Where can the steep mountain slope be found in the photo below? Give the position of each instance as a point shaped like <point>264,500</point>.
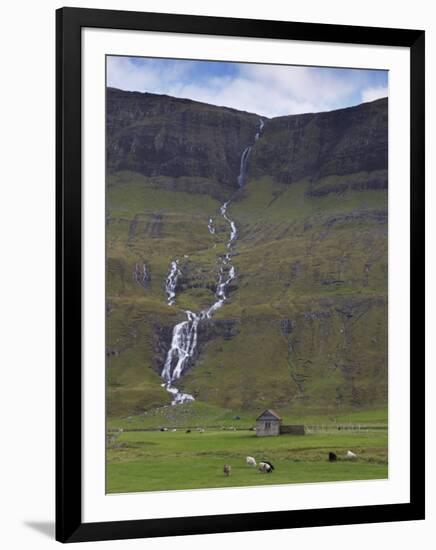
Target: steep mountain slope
<point>304,327</point>
<point>164,136</point>
<point>314,146</point>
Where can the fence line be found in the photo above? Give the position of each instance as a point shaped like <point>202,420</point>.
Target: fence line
<point>328,428</point>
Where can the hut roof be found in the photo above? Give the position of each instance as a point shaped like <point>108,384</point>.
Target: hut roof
<point>269,414</point>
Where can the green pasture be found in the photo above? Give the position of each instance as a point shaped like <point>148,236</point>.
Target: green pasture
<point>198,414</point>
<point>159,461</point>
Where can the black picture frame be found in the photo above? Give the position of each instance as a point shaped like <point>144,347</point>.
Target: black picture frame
<point>69,525</point>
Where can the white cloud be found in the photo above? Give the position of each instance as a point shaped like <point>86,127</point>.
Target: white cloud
<point>268,90</point>
<point>370,94</point>
<point>304,83</point>
<point>123,74</point>
<point>256,96</point>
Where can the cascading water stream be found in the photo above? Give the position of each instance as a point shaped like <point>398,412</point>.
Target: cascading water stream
<point>261,125</point>
<point>171,282</point>
<point>185,334</point>
<point>211,227</point>
<point>243,166</point>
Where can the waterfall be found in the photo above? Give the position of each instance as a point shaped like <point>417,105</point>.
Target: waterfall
<point>185,334</point>
<point>243,165</point>
<point>182,349</point>
<point>211,227</point>
<point>233,229</point>
<point>171,282</point>
<point>246,153</point>
<point>261,125</point>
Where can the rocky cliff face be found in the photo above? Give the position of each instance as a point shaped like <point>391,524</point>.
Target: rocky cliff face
<point>164,136</point>
<point>305,325</point>
<point>314,146</point>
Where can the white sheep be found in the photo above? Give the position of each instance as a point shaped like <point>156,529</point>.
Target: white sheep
<point>250,461</point>
<point>351,455</point>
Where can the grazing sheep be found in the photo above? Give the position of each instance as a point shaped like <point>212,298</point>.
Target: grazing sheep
<point>174,430</point>
<point>332,457</point>
<point>265,467</point>
<point>250,461</point>
<point>351,455</point>
<point>164,429</point>
<point>227,469</point>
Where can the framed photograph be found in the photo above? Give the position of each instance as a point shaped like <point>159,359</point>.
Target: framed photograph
<point>240,274</point>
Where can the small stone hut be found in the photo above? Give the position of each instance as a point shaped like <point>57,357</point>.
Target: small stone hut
<point>268,423</point>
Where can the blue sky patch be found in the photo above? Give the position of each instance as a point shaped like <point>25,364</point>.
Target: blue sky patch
<point>268,90</point>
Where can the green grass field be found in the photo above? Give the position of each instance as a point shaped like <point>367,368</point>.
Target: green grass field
<point>159,461</point>
<point>196,414</point>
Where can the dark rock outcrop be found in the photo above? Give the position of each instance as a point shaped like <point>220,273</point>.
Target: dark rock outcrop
<point>158,135</point>
<point>317,145</point>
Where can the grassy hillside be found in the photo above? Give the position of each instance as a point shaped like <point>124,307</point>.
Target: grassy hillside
<point>305,328</point>
<point>306,324</point>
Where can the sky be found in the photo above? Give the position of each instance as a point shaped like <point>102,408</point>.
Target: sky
<point>268,90</point>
